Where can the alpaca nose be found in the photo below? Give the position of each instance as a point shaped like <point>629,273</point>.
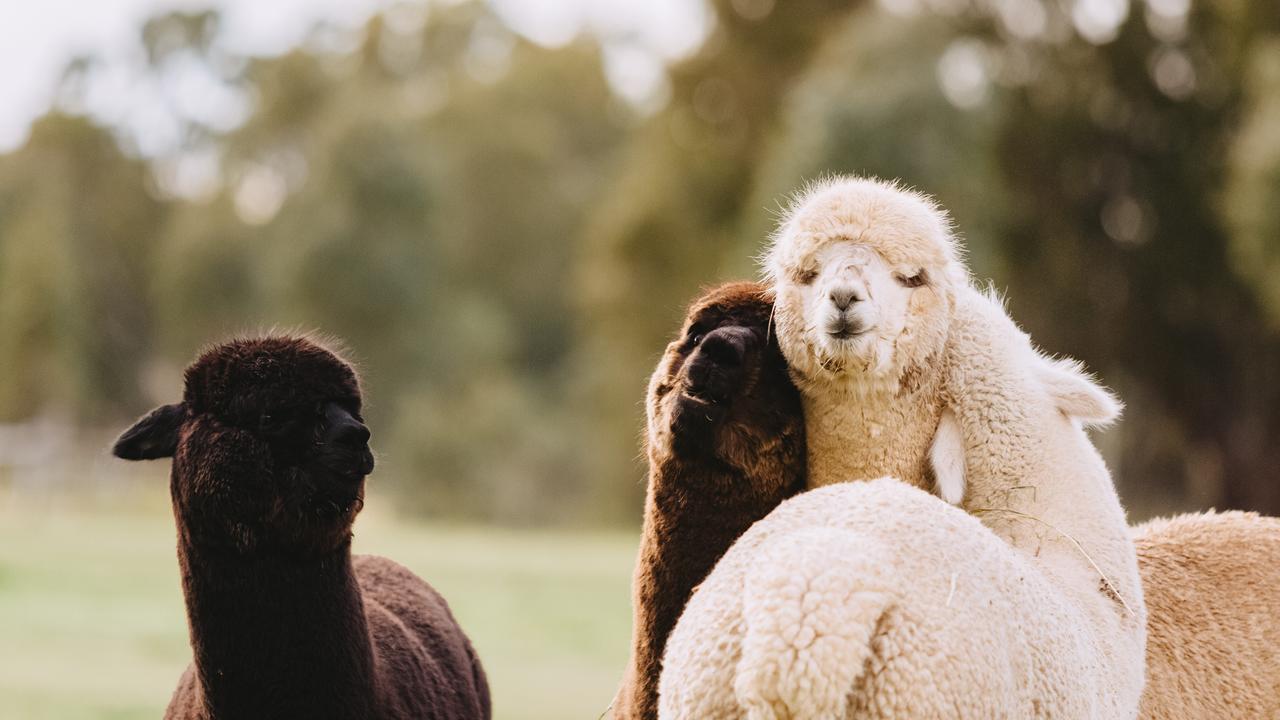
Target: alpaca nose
<point>722,347</point>
<point>354,434</point>
<point>844,298</point>
<point>343,428</point>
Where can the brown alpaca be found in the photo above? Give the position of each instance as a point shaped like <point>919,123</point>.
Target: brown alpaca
<point>269,460</point>
<point>1212,581</point>
<point>726,445</point>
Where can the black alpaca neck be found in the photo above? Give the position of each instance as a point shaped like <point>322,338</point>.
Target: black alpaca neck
<point>277,636</point>
<point>687,529</point>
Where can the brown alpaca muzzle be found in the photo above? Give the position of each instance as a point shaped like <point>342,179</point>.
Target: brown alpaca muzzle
<point>346,440</point>
<point>718,368</point>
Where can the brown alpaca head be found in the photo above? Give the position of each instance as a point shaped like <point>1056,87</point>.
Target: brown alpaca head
<point>722,391</point>
<point>269,450</point>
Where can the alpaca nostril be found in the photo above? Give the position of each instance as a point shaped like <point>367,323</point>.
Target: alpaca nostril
<point>844,298</point>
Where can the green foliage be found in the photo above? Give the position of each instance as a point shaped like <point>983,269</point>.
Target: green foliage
<point>506,246</point>
<point>76,234</point>
<point>1251,197</point>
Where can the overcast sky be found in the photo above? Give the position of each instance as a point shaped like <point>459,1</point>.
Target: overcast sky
<point>37,37</point>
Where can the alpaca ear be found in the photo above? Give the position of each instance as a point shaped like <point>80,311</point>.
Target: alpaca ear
<point>1076,393</point>
<point>154,436</point>
<point>946,456</point>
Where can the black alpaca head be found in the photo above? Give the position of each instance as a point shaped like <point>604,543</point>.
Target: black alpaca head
<point>270,452</point>
<point>724,385</point>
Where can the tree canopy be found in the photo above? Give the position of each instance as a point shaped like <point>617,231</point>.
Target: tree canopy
<point>506,244</point>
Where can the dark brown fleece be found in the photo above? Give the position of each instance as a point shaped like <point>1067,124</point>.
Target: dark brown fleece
<point>269,460</point>
<point>726,445</point>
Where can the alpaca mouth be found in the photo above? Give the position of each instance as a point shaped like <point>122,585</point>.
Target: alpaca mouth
<point>355,466</point>
<point>846,330</point>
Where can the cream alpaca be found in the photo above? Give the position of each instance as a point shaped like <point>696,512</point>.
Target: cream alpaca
<point>875,600</point>
<point>1212,584</point>
<point>907,370</point>
<point>871,600</point>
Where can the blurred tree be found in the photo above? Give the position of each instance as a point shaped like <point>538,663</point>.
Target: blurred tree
<point>672,214</point>
<point>77,233</point>
<point>432,188</point>
<point>1115,159</point>
<point>1252,196</point>
<point>416,195</point>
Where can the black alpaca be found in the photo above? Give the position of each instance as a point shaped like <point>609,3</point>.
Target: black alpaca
<point>726,445</point>
<point>269,460</point>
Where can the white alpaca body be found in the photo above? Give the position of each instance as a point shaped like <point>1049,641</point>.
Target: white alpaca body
<point>1034,478</point>
<point>919,370</point>
<point>877,600</point>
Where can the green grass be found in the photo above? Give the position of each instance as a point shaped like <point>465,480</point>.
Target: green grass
<point>92,623</point>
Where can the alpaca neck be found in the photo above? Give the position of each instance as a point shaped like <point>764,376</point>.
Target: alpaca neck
<point>867,435</point>
<point>1070,521</point>
<point>1032,475</point>
<point>687,528</point>
<point>277,636</point>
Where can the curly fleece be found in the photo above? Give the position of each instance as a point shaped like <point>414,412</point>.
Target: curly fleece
<point>878,600</point>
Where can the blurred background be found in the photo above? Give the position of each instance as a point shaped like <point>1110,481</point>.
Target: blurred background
<point>502,207</point>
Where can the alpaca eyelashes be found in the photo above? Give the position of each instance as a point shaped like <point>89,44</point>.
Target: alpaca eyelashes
<point>806,277</point>
<point>912,281</point>
<point>695,335</point>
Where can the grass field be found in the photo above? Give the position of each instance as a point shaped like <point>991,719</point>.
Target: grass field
<point>92,623</point>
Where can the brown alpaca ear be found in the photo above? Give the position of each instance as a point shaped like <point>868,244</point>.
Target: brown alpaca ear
<point>154,436</point>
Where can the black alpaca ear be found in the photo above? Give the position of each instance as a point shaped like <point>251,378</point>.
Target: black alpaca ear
<point>154,436</point>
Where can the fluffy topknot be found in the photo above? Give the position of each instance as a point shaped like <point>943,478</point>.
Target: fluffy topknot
<point>275,371</point>
<point>903,225</point>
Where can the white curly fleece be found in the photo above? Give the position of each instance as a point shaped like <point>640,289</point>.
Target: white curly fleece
<point>878,600</point>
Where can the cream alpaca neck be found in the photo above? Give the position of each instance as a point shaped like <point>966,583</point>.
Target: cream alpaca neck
<point>866,433</point>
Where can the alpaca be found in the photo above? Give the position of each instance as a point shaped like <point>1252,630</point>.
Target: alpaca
<point>1212,584</point>
<point>1211,580</point>
<point>1206,658</point>
<point>876,599</point>
<point>1213,647</point>
<point>270,456</point>
<point>725,444</point>
<point>907,370</point>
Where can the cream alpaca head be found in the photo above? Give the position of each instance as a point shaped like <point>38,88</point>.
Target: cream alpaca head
<point>866,274</point>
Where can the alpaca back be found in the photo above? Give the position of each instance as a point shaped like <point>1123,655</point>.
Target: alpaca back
<point>942,618</point>
<point>416,636</point>
<point>1213,589</point>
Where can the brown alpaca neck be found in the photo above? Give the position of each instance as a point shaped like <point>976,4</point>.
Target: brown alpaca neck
<point>687,529</point>
<point>277,636</point>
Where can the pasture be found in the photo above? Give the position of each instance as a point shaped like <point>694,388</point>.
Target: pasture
<point>92,623</point>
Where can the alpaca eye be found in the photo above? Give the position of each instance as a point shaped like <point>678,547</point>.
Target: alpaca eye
<point>695,334</point>
<point>913,281</point>
<point>805,277</point>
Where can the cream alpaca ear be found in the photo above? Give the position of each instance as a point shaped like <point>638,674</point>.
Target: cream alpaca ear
<point>946,455</point>
<point>1076,393</point>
